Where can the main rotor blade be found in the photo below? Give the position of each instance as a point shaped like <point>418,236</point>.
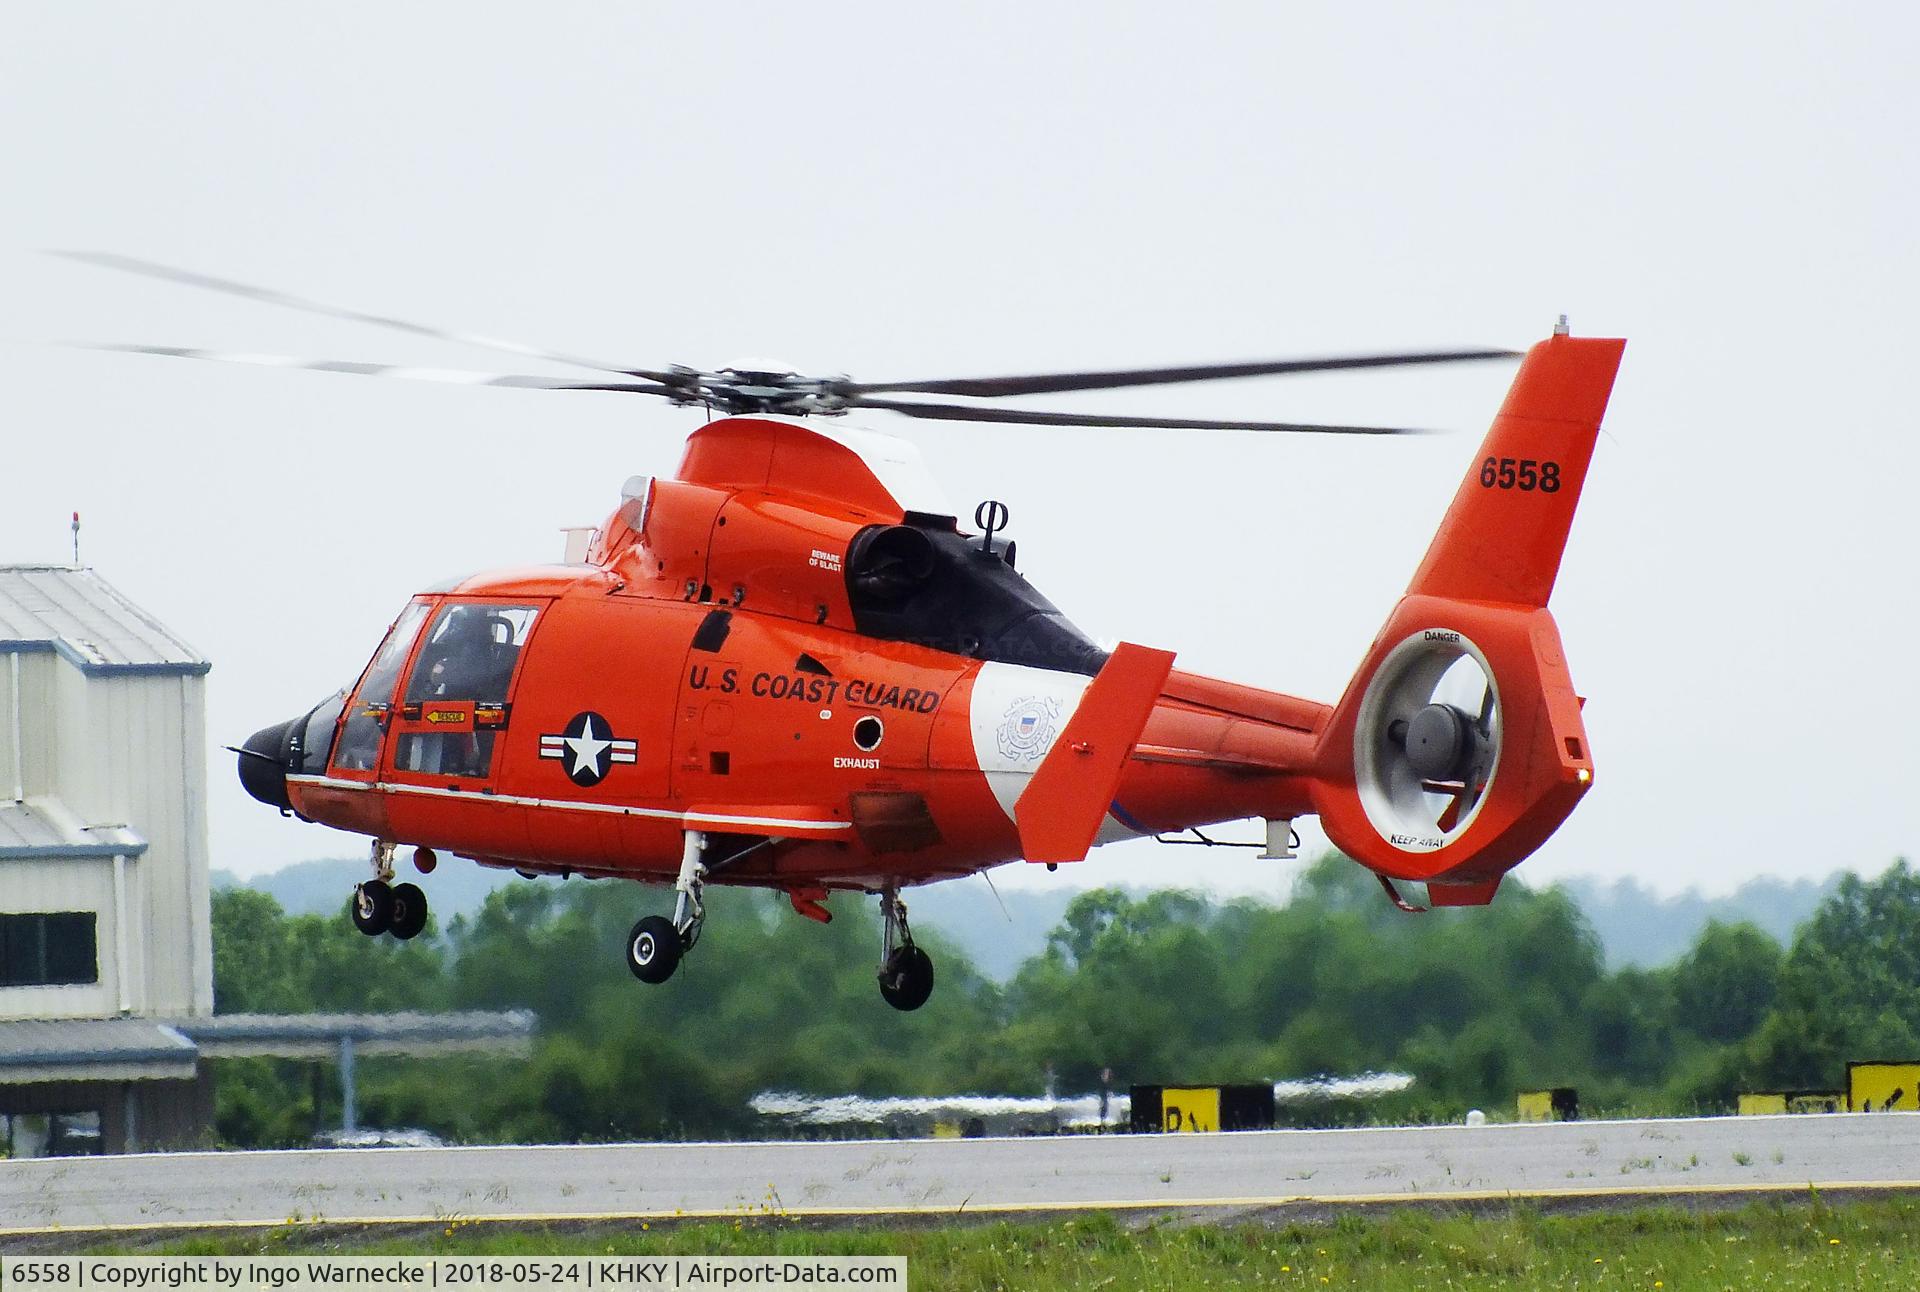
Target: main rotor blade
<point>1033,417</point>
<point>448,376</point>
<point>1053,383</point>
<point>166,273</point>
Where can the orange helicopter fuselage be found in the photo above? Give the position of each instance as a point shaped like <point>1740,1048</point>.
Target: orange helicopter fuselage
<point>712,643</point>
<point>791,662</point>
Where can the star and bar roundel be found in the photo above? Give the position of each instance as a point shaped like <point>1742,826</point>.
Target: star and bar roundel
<point>588,749</point>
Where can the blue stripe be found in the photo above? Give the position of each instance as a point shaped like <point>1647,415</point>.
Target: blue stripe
<point>100,668</point>
<point>64,851</point>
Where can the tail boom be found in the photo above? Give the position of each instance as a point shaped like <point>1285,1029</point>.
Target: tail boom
<point>1406,778</point>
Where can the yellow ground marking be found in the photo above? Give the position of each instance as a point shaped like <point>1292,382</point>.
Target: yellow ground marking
<point>962,1210</point>
<point>1878,1087</point>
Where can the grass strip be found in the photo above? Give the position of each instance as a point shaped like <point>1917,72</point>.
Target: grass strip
<point>1803,1243</point>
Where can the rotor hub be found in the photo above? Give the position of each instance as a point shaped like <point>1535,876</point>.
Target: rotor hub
<point>757,390</point>
<point>1439,740</point>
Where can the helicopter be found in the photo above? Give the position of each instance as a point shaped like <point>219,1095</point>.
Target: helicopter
<point>790,666</point>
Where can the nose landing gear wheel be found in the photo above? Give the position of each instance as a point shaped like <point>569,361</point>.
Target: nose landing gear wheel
<point>906,979</point>
<point>409,911</point>
<point>373,907</point>
<point>653,949</point>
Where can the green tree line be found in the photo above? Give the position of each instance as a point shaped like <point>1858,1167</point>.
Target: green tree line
<point>1168,988</point>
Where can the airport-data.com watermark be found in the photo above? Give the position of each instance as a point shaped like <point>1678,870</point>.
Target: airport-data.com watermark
<point>446,1273</point>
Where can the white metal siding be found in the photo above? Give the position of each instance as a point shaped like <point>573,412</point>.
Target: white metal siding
<point>36,759</point>
<point>191,790</point>
<point>120,750</point>
<point>140,761</point>
<point>64,884</point>
<point>115,748</point>
<point>13,722</point>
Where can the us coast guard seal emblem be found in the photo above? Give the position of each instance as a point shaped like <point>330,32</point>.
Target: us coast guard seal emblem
<point>1027,732</point>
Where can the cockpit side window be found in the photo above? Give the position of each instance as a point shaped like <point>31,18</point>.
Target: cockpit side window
<point>461,680</point>
<point>359,745</point>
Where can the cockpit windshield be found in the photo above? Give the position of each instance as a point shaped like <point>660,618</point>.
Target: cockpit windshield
<point>359,747</point>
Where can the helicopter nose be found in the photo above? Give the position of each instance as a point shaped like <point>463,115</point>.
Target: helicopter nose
<point>263,764</point>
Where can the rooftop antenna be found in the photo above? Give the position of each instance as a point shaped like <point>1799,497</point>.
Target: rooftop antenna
<point>76,540</point>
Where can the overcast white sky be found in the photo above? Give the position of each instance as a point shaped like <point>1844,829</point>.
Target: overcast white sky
<point>895,191</point>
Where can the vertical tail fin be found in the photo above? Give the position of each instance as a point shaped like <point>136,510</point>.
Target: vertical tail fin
<point>1503,536</point>
<point>1458,747</point>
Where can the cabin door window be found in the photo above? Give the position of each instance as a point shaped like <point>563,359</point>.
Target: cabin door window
<point>457,699</point>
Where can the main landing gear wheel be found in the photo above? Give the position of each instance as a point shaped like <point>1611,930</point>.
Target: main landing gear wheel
<point>373,907</point>
<point>653,949</point>
<point>906,979</point>
<point>906,972</point>
<point>656,945</point>
<point>408,911</point>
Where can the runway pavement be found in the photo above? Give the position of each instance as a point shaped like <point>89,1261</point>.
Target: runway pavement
<point>1235,1170</point>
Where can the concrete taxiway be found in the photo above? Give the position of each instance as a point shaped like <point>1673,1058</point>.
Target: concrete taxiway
<point>1729,1155</point>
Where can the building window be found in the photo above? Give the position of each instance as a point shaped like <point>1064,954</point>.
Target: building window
<point>49,1134</point>
<point>48,949</point>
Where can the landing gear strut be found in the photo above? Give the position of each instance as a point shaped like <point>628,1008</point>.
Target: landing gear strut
<point>906,972</point>
<point>382,906</point>
<point>655,945</point>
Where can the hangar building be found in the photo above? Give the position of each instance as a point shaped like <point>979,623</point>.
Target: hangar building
<point>104,904</point>
<point>106,957</point>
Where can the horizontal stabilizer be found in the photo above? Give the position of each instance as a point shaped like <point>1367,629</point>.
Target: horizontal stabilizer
<point>1471,894</point>
<point>1061,809</point>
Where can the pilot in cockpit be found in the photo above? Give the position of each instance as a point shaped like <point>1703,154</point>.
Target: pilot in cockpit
<point>472,657</point>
